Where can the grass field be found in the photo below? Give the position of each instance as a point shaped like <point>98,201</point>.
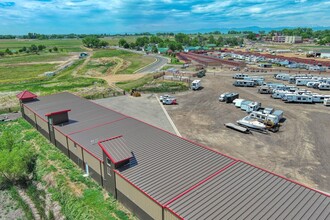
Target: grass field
<point>67,45</point>
<point>12,73</point>
<point>26,58</point>
<point>137,61</point>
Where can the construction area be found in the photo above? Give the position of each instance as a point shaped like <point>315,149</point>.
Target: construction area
<point>299,150</point>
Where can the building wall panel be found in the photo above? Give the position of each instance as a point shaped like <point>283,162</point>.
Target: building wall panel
<point>61,138</point>
<point>42,124</point>
<point>139,198</point>
<point>28,113</point>
<point>75,149</point>
<point>168,215</point>
<point>133,207</point>
<point>92,162</point>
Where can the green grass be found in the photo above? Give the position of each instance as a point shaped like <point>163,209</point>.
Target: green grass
<point>131,84</point>
<point>67,45</point>
<point>26,58</point>
<point>137,61</point>
<point>63,82</point>
<point>10,73</point>
<point>90,204</point>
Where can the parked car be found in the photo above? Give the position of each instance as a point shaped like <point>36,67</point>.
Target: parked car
<point>170,101</point>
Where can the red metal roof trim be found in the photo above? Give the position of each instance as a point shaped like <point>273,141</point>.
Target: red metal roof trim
<point>26,95</point>
<point>107,153</point>
<point>58,112</point>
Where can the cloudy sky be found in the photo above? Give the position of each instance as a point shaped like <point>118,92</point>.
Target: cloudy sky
<point>120,16</point>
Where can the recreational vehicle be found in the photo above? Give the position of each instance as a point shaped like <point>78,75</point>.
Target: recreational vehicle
<point>324,86</point>
<point>245,104</point>
<point>196,84</point>
<point>238,102</point>
<point>244,83</point>
<point>240,76</point>
<point>279,94</point>
<point>256,79</point>
<point>304,81</point>
<point>320,98</point>
<point>265,90</point>
<point>298,98</point>
<point>254,106</point>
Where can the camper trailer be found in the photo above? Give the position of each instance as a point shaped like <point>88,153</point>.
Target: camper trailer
<point>196,84</point>
<point>245,104</point>
<point>324,86</point>
<point>265,90</point>
<point>256,79</point>
<point>240,76</point>
<point>320,98</point>
<point>244,83</point>
<point>304,81</point>
<point>253,106</point>
<point>238,102</point>
<point>279,94</point>
<point>298,98</point>
<point>283,76</point>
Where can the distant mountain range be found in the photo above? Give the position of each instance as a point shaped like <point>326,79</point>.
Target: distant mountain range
<point>252,28</point>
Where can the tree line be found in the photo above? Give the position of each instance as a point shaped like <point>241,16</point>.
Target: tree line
<point>180,41</point>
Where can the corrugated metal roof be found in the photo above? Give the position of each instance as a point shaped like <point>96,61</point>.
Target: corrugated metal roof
<point>243,191</point>
<point>164,165</point>
<point>196,182</point>
<point>117,149</point>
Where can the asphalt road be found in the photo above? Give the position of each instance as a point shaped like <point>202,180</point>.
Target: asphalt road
<point>156,66</point>
<point>153,67</point>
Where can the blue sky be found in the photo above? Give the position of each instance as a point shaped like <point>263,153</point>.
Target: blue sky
<point>131,16</point>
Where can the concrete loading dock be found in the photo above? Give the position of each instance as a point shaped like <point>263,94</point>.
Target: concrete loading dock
<point>150,170</point>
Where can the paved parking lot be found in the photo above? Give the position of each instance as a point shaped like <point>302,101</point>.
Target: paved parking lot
<point>145,108</point>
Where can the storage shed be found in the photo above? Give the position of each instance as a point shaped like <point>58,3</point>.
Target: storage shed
<point>158,175</point>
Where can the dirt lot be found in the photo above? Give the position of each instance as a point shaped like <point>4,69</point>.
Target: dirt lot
<point>299,151</point>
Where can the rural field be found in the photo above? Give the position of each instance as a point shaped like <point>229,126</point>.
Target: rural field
<point>299,151</point>
<point>89,77</point>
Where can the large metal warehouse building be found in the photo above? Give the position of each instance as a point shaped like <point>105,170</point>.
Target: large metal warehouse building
<point>158,175</point>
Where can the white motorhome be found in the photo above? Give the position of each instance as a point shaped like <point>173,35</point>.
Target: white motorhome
<point>324,86</point>
<point>298,98</point>
<point>196,84</point>
<point>244,83</point>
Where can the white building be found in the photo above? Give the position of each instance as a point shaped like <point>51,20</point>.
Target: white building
<point>293,39</point>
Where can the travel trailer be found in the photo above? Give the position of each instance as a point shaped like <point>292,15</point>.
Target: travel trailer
<point>324,86</point>
<point>320,98</point>
<point>279,94</point>
<point>245,105</point>
<point>240,76</point>
<point>304,81</point>
<point>244,83</point>
<point>254,106</point>
<point>265,90</point>
<point>238,102</point>
<point>196,84</point>
<point>298,98</point>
